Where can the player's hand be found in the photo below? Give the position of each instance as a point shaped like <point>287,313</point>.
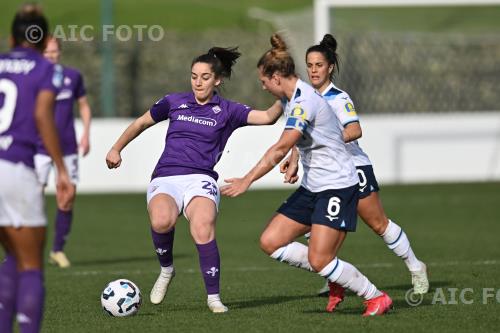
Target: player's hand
<point>84,145</point>
<point>285,164</point>
<point>236,187</point>
<point>65,191</point>
<point>290,169</point>
<point>113,159</point>
<point>291,177</point>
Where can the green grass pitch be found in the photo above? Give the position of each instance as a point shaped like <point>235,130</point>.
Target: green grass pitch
<point>454,228</point>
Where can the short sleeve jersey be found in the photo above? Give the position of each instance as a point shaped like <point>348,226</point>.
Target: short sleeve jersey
<point>326,162</point>
<point>343,106</point>
<point>71,90</point>
<point>197,134</point>
<point>24,73</point>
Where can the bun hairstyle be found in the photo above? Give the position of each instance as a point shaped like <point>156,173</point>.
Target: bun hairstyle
<point>327,47</point>
<point>277,59</point>
<point>220,59</point>
<point>30,25</point>
<point>278,43</point>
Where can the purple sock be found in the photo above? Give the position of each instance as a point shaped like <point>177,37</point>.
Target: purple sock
<point>63,225</point>
<point>164,245</point>
<point>210,265</point>
<point>8,290</point>
<point>30,299</point>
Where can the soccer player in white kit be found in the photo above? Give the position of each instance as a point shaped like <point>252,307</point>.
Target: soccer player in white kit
<point>28,84</point>
<point>327,199</point>
<point>322,61</point>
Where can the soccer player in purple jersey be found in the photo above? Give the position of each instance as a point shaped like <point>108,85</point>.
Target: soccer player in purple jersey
<point>184,180</point>
<point>28,84</point>
<point>326,201</point>
<point>72,90</point>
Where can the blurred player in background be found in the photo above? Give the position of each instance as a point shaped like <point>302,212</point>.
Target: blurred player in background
<point>28,86</point>
<point>322,61</point>
<point>184,180</point>
<point>72,90</point>
<point>326,202</point>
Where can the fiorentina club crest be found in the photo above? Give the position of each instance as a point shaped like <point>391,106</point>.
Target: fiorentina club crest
<point>216,109</point>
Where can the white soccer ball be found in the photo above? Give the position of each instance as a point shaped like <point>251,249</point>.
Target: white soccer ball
<point>121,298</point>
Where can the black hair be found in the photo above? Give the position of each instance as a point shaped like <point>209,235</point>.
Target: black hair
<point>220,59</point>
<point>327,47</point>
<point>277,59</point>
<point>30,25</point>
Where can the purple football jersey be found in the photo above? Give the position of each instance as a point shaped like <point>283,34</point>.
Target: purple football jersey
<point>197,134</point>
<point>24,73</point>
<point>72,89</point>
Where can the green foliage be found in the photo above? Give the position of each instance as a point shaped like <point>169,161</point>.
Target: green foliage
<point>182,15</point>
<point>198,15</point>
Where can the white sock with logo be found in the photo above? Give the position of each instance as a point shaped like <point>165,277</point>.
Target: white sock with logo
<point>398,242</point>
<point>294,254</point>
<point>348,276</point>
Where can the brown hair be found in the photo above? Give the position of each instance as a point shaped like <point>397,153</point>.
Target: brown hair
<point>277,59</point>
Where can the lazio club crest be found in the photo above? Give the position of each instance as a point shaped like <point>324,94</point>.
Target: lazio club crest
<point>349,108</point>
<point>298,112</point>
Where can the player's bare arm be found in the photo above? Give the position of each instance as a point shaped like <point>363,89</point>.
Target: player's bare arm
<point>352,131</point>
<point>273,156</point>
<point>267,117</point>
<point>113,158</point>
<point>86,116</point>
<point>44,117</point>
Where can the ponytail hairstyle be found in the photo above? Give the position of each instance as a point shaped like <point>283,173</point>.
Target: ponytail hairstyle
<point>328,48</point>
<point>31,26</point>
<point>277,59</point>
<point>220,59</point>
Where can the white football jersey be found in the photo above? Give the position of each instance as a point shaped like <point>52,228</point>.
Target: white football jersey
<point>343,106</point>
<point>326,162</point>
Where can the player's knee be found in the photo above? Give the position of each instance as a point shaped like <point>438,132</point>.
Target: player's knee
<point>161,222</point>
<point>29,265</point>
<point>202,231</point>
<point>267,244</point>
<point>318,262</point>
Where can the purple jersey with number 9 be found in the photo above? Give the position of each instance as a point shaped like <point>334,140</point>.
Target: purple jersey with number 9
<point>24,73</point>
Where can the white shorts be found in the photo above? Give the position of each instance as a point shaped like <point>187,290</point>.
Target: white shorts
<point>184,188</point>
<point>43,165</point>
<point>21,197</point>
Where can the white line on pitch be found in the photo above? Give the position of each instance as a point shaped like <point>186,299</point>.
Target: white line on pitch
<point>277,268</point>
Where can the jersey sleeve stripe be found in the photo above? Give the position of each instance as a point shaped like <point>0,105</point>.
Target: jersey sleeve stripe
<point>296,123</point>
<point>350,121</point>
